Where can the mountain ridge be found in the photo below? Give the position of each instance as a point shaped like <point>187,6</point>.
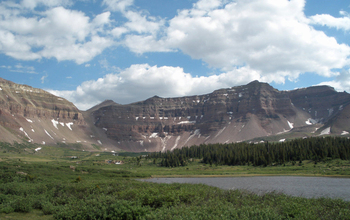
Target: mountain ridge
<point>234,114</point>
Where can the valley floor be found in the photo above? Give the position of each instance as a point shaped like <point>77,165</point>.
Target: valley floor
<point>60,183</point>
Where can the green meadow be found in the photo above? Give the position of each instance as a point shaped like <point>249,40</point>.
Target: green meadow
<point>57,182</point>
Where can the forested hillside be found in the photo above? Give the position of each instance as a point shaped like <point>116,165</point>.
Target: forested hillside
<point>262,154</point>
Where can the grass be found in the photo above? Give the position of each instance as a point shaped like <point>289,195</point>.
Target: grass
<point>49,184</point>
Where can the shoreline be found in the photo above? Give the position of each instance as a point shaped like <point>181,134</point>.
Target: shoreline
<point>243,175</point>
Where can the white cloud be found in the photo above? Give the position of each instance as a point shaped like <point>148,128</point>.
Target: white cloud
<point>266,39</point>
<point>144,43</point>
<point>341,82</point>
<point>142,23</point>
<point>19,68</point>
<point>58,33</point>
<point>143,81</point>
<point>79,52</point>
<point>342,23</point>
<point>117,5</point>
<point>49,3</point>
<point>43,78</point>
<point>208,5</point>
<point>273,38</point>
<point>268,36</point>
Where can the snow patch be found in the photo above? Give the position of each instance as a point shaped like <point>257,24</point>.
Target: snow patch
<point>282,140</point>
<point>98,141</point>
<point>55,123</point>
<point>37,149</point>
<point>311,121</point>
<point>0,89</point>
<point>43,142</point>
<point>196,132</point>
<point>291,125</point>
<point>326,131</point>
<point>69,125</point>
<point>164,142</point>
<point>186,122</point>
<point>48,134</point>
<point>344,133</point>
<point>25,133</point>
<point>340,107</point>
<point>153,135</point>
<point>176,143</point>
<point>105,129</point>
<point>136,118</point>
<point>28,120</point>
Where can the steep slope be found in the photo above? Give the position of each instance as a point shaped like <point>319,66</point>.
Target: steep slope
<point>37,116</point>
<point>226,115</point>
<point>235,114</point>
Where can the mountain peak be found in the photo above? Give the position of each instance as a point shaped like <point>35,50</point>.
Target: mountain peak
<point>255,82</point>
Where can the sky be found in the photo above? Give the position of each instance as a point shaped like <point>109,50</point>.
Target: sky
<point>88,51</point>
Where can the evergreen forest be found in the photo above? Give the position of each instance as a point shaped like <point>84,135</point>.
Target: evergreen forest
<point>262,154</point>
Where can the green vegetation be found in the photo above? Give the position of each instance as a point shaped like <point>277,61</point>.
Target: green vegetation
<point>263,154</point>
<point>57,182</point>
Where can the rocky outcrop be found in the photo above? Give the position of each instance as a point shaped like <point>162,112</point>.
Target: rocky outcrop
<point>31,102</point>
<point>241,113</point>
<point>226,115</point>
<point>34,115</point>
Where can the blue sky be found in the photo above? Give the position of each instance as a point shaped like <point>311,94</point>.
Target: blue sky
<point>129,50</point>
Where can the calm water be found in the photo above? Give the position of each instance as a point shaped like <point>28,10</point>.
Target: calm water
<point>308,187</point>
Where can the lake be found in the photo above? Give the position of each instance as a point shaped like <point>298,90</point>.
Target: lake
<point>308,187</point>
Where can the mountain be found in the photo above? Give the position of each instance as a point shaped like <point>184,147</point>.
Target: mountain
<point>255,111</point>
<point>226,115</point>
<point>34,115</point>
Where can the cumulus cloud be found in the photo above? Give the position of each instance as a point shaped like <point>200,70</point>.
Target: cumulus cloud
<point>142,81</point>
<point>57,32</point>
<point>342,23</point>
<point>117,5</point>
<point>49,3</point>
<point>274,37</point>
<point>341,82</point>
<point>244,40</point>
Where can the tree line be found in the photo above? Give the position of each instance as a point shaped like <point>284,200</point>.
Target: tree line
<point>261,154</point>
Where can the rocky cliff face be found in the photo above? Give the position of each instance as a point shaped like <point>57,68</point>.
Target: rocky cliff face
<point>226,115</point>
<point>158,124</point>
<point>31,102</point>
<point>37,116</point>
